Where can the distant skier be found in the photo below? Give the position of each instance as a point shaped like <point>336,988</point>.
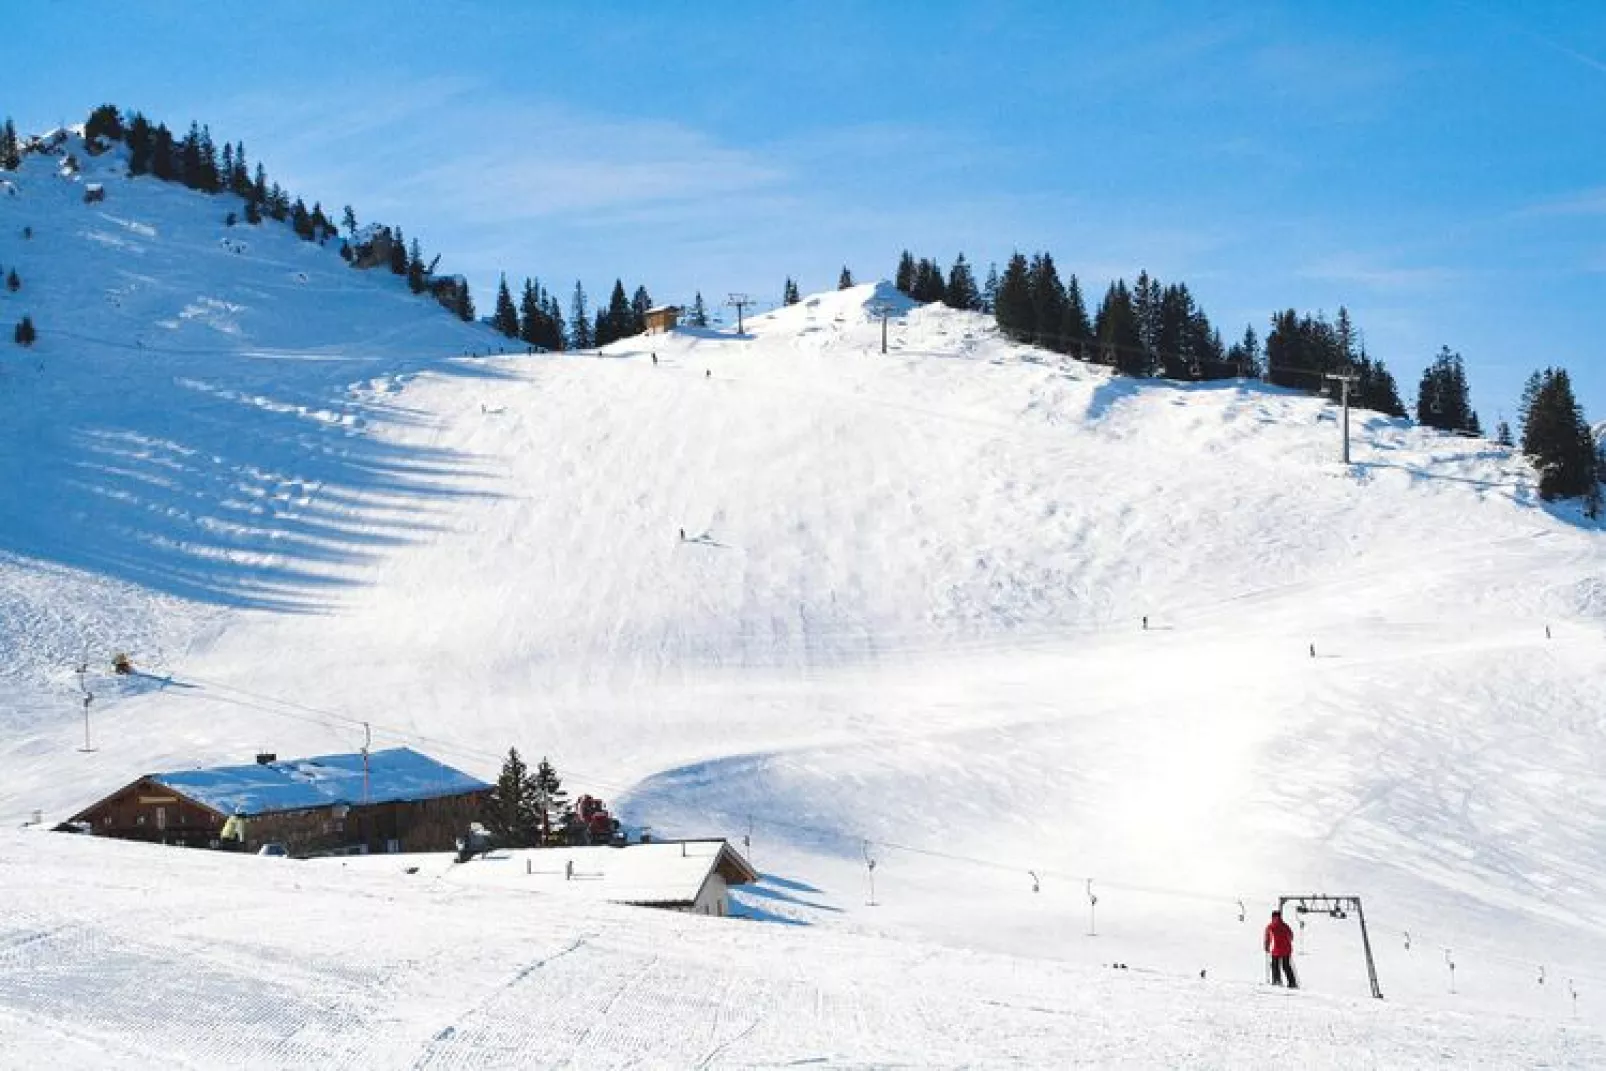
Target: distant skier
<point>708,373</point>
<point>1145,622</point>
<point>1313,650</point>
<point>1547,632</point>
<point>683,535</point>
<point>1279,945</point>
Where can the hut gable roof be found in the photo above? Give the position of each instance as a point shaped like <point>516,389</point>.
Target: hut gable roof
<point>300,784</point>
<point>661,874</point>
<point>672,873</point>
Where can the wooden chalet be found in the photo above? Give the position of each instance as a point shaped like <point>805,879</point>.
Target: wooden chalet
<point>661,319</point>
<point>396,800</point>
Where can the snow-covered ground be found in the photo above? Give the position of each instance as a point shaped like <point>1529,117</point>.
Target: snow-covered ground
<point>119,954</point>
<point>903,624</point>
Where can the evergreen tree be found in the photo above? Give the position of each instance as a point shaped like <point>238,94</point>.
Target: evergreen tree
<point>640,302</point>
<point>206,176</point>
<point>532,326</point>
<point>1146,299</point>
<point>789,294</point>
<point>989,290</point>
<point>1443,400</point>
<point>140,145</point>
<point>1172,341</point>
<point>164,162</point>
<point>614,322</point>
<point>1502,433</point>
<point>961,291</point>
<point>398,253</point>
<point>904,280</point>
<point>1119,340</point>
<point>1556,437</point>
<point>1301,350</point>
<point>506,319</point>
<point>580,337</point>
<point>24,334</point>
<point>699,312</point>
<point>1076,329</point>
<point>321,227</point>
<point>13,283</point>
<point>348,220</point>
<point>240,181</point>
<point>928,285</point>
<point>1048,302</point>
<point>189,157</point>
<point>417,275</point>
<point>512,810</point>
<point>104,122</point>
<point>1375,388</point>
<point>253,212</point>
<point>464,306</point>
<point>844,280</point>
<point>1244,355</point>
<point>551,802</point>
<point>1013,304</point>
<point>10,148</point>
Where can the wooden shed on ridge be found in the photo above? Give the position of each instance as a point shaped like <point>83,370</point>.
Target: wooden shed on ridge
<point>661,318</point>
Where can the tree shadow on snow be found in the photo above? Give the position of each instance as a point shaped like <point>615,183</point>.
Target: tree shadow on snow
<point>780,896</point>
<point>227,479</point>
<point>1117,388</point>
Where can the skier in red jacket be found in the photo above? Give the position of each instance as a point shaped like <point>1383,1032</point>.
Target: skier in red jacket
<point>1280,946</point>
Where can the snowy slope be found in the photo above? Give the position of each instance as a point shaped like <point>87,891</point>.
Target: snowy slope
<point>202,960</point>
<point>904,621</point>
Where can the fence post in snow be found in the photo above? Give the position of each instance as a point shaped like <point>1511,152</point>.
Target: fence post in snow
<point>1449,961</point>
<point>869,866</point>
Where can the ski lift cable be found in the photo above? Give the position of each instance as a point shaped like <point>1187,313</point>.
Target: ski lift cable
<point>334,719</point>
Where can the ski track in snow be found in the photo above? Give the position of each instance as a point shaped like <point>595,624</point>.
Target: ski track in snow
<point>906,608</point>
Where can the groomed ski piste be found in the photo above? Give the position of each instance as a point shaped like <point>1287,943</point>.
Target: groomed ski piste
<point>904,625</point>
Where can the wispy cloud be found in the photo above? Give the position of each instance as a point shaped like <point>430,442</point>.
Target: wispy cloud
<point>1500,16</point>
<point>550,163</point>
<point>1328,71</point>
<point>1359,269</point>
<point>1590,202</point>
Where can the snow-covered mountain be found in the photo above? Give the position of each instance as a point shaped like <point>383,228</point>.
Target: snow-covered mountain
<point>997,621</point>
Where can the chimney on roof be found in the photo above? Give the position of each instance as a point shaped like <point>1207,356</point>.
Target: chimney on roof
<point>265,757</point>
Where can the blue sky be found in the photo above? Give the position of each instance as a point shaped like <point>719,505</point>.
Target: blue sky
<point>1438,167</point>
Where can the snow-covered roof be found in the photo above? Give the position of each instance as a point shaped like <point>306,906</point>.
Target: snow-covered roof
<point>297,784</point>
<point>667,873</point>
<point>663,308</point>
